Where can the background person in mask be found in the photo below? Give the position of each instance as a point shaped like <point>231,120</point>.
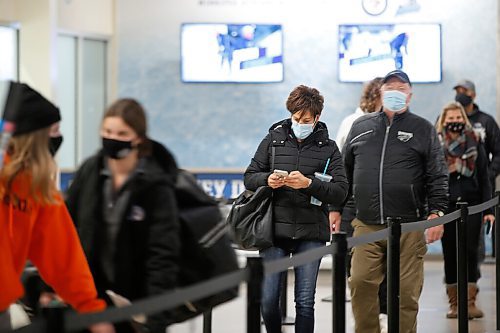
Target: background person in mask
<point>486,128</point>
<point>483,124</point>
<point>123,203</point>
<point>395,166</point>
<point>302,147</point>
<point>468,168</point>
<point>34,222</point>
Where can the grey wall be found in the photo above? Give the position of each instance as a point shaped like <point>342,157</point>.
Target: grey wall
<point>220,125</point>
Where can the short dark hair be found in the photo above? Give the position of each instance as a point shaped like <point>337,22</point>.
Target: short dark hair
<point>307,99</point>
<point>133,114</point>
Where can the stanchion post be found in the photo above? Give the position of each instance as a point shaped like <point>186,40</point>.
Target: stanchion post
<point>207,321</point>
<point>54,318</point>
<point>463,315</point>
<point>254,293</point>
<point>497,259</point>
<point>393,272</point>
<point>339,254</point>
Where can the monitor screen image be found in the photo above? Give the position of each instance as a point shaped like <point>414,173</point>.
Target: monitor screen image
<point>370,50</point>
<point>213,52</point>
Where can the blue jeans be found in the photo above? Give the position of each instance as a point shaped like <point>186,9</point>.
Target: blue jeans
<point>305,288</point>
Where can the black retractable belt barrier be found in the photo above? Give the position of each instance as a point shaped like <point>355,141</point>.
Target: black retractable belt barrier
<point>207,321</point>
<point>54,316</point>
<point>463,316</point>
<point>254,293</point>
<point>339,254</point>
<point>393,259</point>
<point>497,259</point>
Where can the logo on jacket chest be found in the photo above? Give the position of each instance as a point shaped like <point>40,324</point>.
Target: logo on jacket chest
<point>137,214</point>
<point>404,136</point>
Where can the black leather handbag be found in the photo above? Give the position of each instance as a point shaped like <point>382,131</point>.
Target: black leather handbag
<point>251,217</point>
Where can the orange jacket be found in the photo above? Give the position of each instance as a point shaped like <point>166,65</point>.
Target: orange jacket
<point>44,234</point>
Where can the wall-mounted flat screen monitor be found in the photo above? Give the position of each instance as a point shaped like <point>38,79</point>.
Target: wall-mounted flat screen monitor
<point>370,50</point>
<point>213,52</point>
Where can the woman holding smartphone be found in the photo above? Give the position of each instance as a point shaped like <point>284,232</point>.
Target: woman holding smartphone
<point>300,199</point>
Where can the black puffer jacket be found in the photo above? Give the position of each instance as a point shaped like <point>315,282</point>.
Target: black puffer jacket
<point>396,170</point>
<point>148,240</point>
<point>294,216</point>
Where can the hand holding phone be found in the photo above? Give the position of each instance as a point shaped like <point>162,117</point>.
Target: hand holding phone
<point>280,173</point>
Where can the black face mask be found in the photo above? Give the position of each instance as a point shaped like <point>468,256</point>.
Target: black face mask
<point>463,99</point>
<point>116,149</point>
<point>54,144</point>
<point>455,127</point>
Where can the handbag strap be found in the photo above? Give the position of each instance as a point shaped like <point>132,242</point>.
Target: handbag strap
<point>273,153</point>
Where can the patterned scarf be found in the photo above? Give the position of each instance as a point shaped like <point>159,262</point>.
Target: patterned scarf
<point>461,152</point>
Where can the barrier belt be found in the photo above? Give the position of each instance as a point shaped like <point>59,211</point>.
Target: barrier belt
<point>155,304</point>
<point>74,321</point>
<point>425,224</point>
<point>482,207</point>
<point>299,259</point>
<point>367,238</point>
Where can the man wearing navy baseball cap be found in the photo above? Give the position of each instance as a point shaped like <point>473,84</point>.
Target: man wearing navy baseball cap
<point>399,74</point>
<point>395,167</point>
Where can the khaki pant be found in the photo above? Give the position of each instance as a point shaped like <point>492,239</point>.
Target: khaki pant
<point>368,270</point>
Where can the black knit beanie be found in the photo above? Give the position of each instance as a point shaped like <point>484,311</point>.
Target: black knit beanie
<point>34,111</point>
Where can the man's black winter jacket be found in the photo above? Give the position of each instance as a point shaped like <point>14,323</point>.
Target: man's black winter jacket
<point>397,169</point>
<point>294,216</point>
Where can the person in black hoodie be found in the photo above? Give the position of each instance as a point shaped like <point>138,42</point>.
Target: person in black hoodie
<point>483,124</point>
<point>468,168</point>
<point>302,148</point>
<point>123,203</point>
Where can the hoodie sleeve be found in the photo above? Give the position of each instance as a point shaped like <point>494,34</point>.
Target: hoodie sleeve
<point>493,145</point>
<point>483,176</point>
<point>56,251</point>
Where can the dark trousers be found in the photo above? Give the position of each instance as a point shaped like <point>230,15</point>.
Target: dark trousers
<point>474,223</point>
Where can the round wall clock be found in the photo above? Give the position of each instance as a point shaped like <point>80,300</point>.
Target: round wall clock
<point>374,7</point>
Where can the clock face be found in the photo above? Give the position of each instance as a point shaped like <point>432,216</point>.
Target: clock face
<point>374,7</point>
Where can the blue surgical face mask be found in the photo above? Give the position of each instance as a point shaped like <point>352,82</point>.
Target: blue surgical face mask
<point>394,100</point>
<point>302,131</point>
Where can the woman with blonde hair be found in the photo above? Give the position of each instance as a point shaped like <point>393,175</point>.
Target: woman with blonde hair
<point>34,222</point>
<point>469,182</point>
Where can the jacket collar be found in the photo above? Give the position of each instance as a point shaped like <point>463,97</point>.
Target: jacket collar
<point>397,116</point>
<point>282,131</point>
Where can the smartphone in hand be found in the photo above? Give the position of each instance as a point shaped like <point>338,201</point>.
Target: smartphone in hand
<point>280,173</point>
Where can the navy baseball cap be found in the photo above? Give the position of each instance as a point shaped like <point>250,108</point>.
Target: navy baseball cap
<point>400,75</point>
